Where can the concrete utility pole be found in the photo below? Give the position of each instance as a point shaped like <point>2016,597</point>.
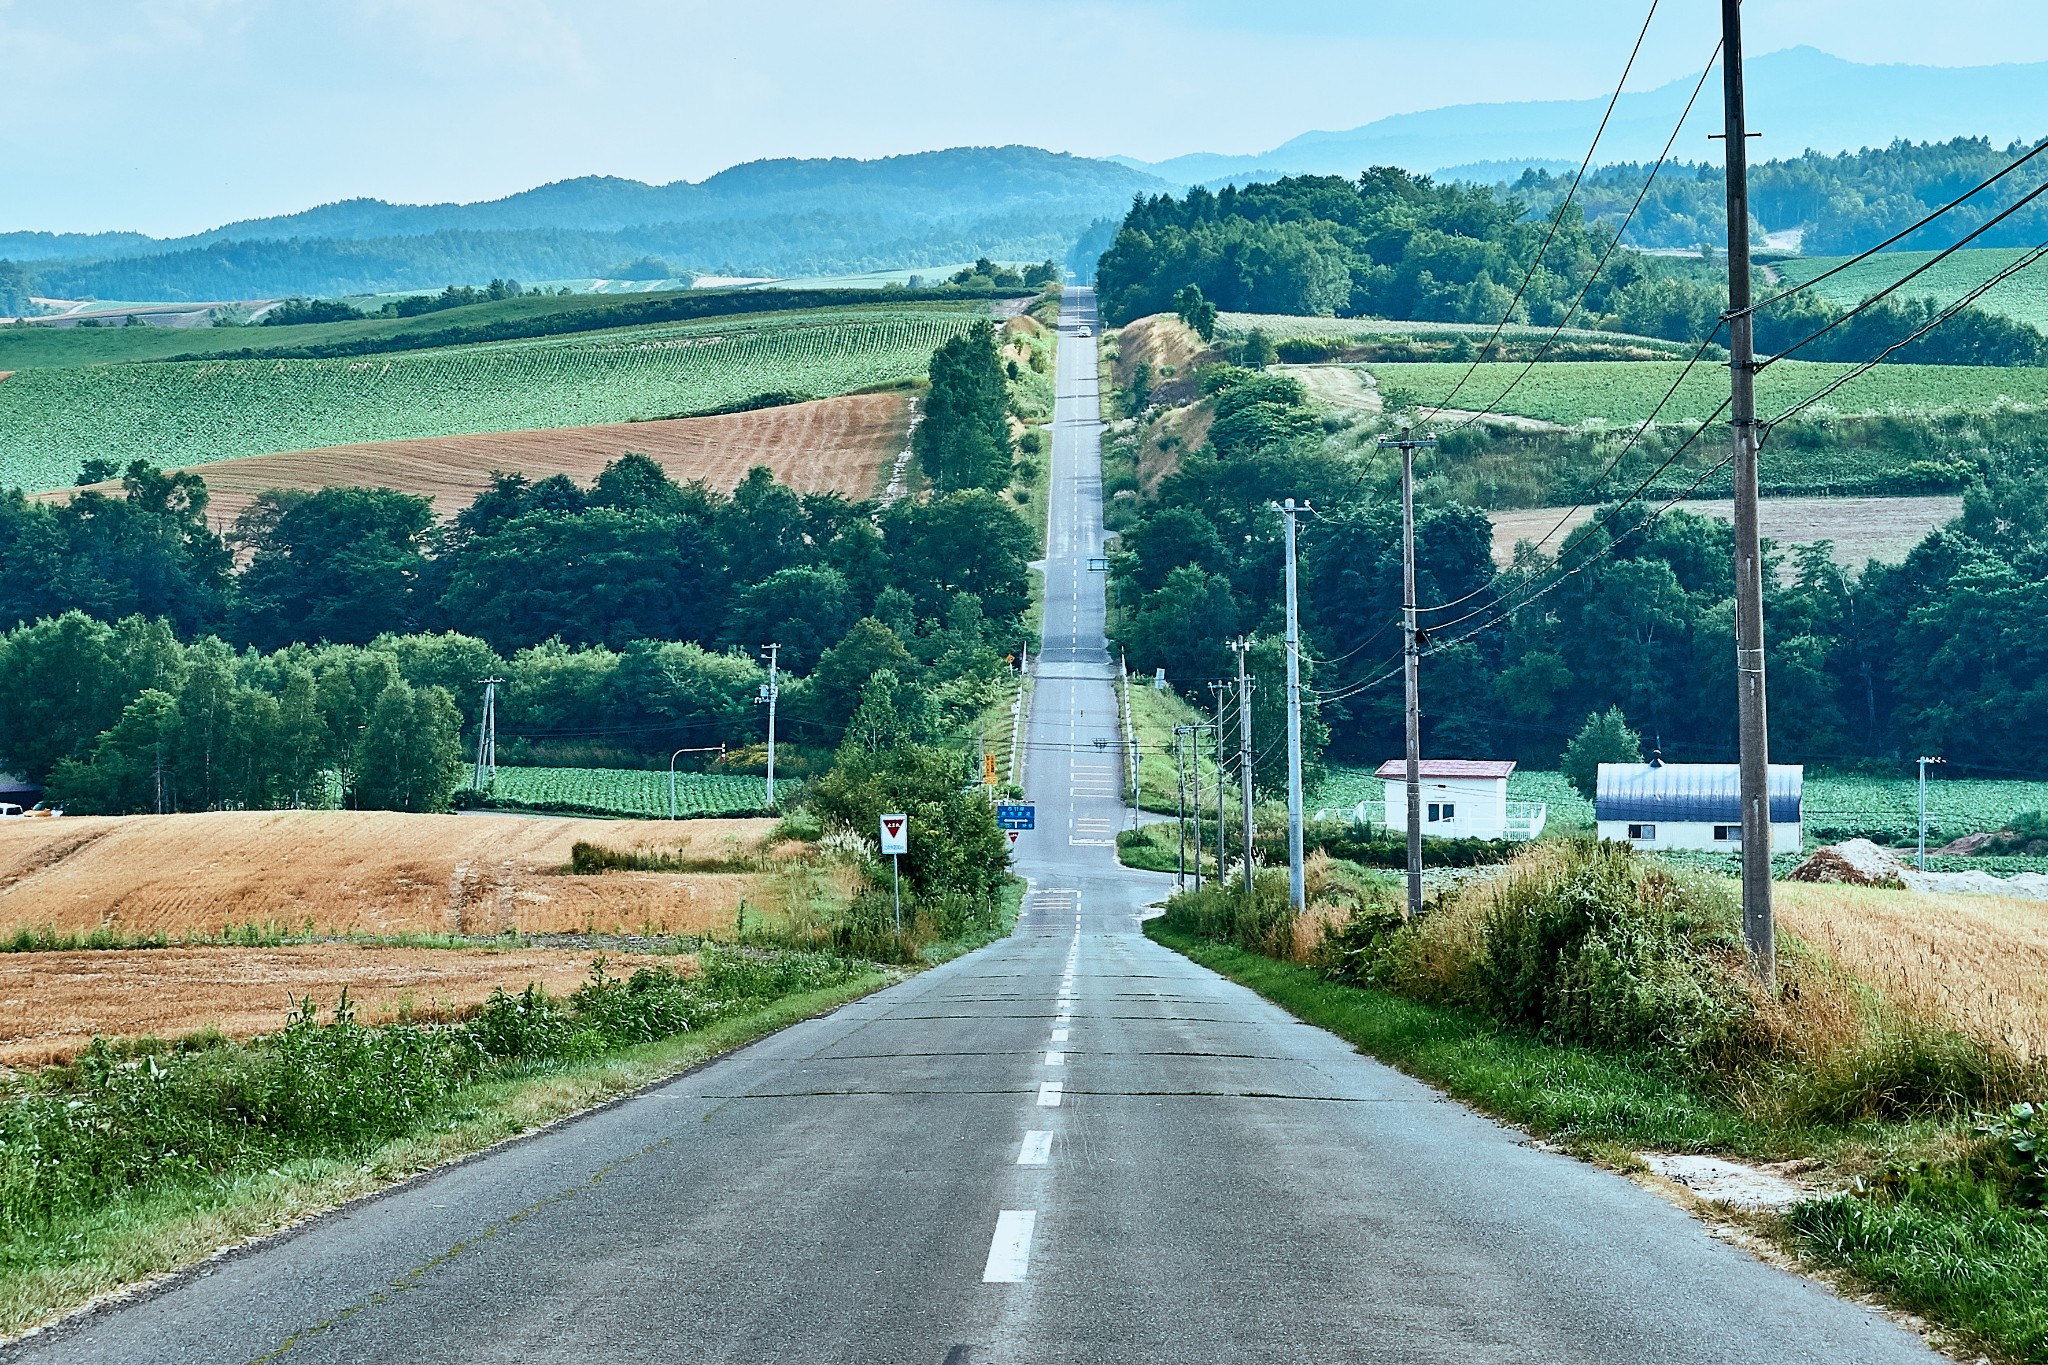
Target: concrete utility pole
<point>1411,660</point>
<point>1758,925</point>
<point>769,692</point>
<point>1297,883</point>
<point>1924,761</point>
<point>1180,806</point>
<point>1244,756</point>
<point>487,738</point>
<point>1221,689</point>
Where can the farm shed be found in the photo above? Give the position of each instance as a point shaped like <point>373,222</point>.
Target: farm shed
<point>18,791</point>
<point>1461,799</point>
<point>1693,805</point>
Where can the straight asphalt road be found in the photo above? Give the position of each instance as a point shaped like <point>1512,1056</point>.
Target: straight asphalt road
<point>1073,1146</point>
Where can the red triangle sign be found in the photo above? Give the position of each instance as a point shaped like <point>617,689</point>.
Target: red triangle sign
<point>892,826</point>
<point>1013,836</point>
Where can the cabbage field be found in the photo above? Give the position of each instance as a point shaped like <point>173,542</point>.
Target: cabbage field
<point>1622,391</point>
<point>625,791</point>
<point>2023,298</point>
<point>194,412</point>
<point>1281,326</point>
<point>1838,807</point>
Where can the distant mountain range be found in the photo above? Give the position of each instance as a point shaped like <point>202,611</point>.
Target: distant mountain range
<point>784,217</point>
<point>1799,99</point>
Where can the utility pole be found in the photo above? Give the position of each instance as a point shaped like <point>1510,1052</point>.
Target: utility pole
<point>1297,884</point>
<point>1924,761</point>
<point>1244,756</point>
<point>1411,661</point>
<point>1221,689</point>
<point>770,690</point>
<point>487,738</point>
<point>1180,806</point>
<point>1758,926</point>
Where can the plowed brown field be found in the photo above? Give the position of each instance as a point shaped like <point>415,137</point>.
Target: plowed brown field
<point>51,1004</point>
<point>377,872</point>
<point>835,444</point>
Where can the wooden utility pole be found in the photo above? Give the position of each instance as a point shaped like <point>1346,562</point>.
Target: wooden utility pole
<point>1244,756</point>
<point>1758,926</point>
<point>1411,661</point>
<point>1297,882</point>
<point>1221,689</point>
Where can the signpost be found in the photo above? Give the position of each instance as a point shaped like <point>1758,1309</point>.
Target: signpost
<point>896,843</point>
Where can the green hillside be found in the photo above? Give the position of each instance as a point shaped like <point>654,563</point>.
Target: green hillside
<point>195,412</point>
<point>2023,298</point>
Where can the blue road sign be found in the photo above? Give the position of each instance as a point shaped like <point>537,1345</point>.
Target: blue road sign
<point>1016,815</point>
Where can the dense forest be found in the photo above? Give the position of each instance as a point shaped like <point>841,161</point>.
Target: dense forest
<point>1940,654</point>
<point>1394,245</point>
<point>1844,204</point>
<point>328,649</point>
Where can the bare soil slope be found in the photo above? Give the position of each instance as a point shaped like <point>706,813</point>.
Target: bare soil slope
<point>51,1004</point>
<point>834,444</point>
<point>377,872</point>
<point>1862,529</point>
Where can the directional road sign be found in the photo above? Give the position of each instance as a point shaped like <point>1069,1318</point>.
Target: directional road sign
<point>1016,815</point>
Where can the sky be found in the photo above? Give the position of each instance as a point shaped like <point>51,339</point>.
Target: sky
<point>170,116</point>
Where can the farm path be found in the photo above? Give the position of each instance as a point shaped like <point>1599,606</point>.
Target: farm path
<point>1071,1146</point>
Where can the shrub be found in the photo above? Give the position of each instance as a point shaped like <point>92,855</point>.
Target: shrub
<point>1602,739</point>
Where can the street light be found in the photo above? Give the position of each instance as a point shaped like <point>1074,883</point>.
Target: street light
<point>1924,761</point>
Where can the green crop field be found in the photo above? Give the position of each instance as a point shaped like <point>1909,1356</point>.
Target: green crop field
<point>630,791</point>
<point>1624,392</point>
<point>1838,807</point>
<point>1281,326</point>
<point>2024,297</point>
<point>195,412</point>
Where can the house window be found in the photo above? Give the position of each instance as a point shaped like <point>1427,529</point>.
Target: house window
<point>1727,833</point>
<point>1642,831</point>
<point>1441,811</point>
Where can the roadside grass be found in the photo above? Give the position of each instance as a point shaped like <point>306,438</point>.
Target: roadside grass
<point>1154,714</point>
<point>49,1271</point>
<point>187,1147</point>
<point>1599,1001</point>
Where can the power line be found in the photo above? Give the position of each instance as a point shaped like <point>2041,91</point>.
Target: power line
<point>1605,255</point>
<point>1557,220</point>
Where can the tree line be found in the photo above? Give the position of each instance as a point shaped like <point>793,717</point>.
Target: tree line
<point>1939,654</point>
<point>625,616</point>
<point>1395,245</point>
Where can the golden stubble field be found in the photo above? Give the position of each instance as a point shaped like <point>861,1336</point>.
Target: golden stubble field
<point>374,873</point>
<point>1975,963</point>
<point>370,872</point>
<point>52,1004</point>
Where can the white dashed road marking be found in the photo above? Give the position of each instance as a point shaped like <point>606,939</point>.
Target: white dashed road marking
<point>1009,1252</point>
<point>1037,1148</point>
<point>1049,1095</point>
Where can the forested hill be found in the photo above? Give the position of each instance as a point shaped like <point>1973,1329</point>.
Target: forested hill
<point>1840,204</point>
<point>1394,245</point>
<point>785,217</point>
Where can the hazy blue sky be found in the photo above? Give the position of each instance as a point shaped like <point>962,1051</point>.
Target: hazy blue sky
<point>174,115</point>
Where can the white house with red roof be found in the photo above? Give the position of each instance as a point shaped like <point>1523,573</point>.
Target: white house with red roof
<point>1462,798</point>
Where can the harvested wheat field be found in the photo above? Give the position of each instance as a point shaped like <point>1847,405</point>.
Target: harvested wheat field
<point>373,872</point>
<point>832,445</point>
<point>1861,529</point>
<point>51,1004</point>
<point>1975,963</point>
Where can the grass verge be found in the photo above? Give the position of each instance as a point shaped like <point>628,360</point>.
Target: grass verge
<point>1950,1238</point>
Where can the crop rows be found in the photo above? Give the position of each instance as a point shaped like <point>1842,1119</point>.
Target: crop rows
<point>1837,807</point>
<point>188,413</point>
<point>1281,326</point>
<point>630,791</point>
<point>1621,391</point>
<point>2023,298</point>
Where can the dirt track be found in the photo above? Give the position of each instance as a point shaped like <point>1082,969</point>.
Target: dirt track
<point>375,872</point>
<point>835,444</point>
<point>51,1004</point>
